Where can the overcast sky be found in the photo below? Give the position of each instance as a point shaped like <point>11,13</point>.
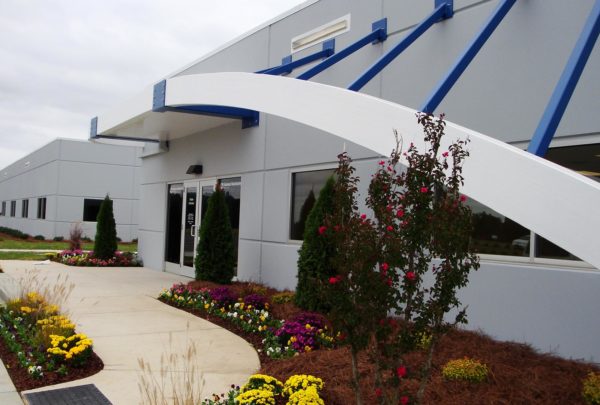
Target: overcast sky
<point>63,62</point>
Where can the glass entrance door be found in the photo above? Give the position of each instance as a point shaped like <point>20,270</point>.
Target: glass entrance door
<point>189,226</point>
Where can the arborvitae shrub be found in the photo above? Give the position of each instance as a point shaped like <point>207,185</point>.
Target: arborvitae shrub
<point>106,233</point>
<point>215,258</point>
<point>315,254</point>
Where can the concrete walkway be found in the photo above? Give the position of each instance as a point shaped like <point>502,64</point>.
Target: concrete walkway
<point>117,308</point>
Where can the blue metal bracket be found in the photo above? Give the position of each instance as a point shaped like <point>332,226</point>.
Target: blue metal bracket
<point>440,12</point>
<point>566,84</point>
<point>449,7</point>
<point>444,86</point>
<point>94,128</point>
<point>327,51</point>
<point>377,35</point>
<point>249,118</point>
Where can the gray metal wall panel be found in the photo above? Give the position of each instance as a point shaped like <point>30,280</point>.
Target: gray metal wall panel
<point>151,248</point>
<point>84,151</point>
<point>276,206</point>
<point>251,206</point>
<point>248,55</point>
<point>279,265</point>
<point>224,150</point>
<point>291,144</point>
<point>153,207</point>
<point>249,260</point>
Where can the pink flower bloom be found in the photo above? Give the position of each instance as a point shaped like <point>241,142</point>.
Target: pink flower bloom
<point>378,392</point>
<point>322,229</point>
<point>381,162</point>
<point>410,276</point>
<point>385,266</point>
<point>336,228</point>
<point>400,213</point>
<point>390,228</point>
<point>445,154</point>
<point>463,198</point>
<point>424,190</point>
<point>363,216</point>
<point>401,371</point>
<point>335,280</point>
<point>403,400</point>
<point>389,282</point>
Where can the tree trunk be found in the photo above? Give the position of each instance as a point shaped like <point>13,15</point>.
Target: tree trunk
<point>356,377</point>
<point>426,371</point>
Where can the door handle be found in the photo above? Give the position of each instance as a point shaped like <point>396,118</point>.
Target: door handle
<point>193,230</point>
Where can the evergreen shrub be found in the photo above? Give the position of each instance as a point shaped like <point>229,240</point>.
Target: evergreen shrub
<point>105,244</point>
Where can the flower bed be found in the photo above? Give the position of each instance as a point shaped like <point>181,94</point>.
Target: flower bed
<point>40,346</point>
<point>280,338</point>
<point>264,389</point>
<point>83,258</point>
<point>517,374</point>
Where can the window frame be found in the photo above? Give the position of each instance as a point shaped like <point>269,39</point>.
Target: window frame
<point>84,204</point>
<point>41,207</point>
<point>13,208</point>
<point>291,172</point>
<point>25,208</point>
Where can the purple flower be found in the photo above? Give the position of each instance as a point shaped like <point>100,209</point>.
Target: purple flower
<point>223,296</point>
<point>256,300</point>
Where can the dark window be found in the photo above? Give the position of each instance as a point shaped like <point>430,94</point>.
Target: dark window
<point>306,187</point>
<point>41,208</point>
<point>496,234</point>
<point>13,208</point>
<point>584,159</point>
<point>3,211</point>
<point>174,211</point>
<point>91,207</point>
<point>232,187</point>
<point>25,208</point>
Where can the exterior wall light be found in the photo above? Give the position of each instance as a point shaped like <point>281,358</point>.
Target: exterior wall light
<point>321,34</point>
<point>194,169</point>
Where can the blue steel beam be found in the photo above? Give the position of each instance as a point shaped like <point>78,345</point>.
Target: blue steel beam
<point>249,118</point>
<point>327,51</point>
<point>566,84</point>
<point>444,86</point>
<point>442,11</point>
<point>379,34</point>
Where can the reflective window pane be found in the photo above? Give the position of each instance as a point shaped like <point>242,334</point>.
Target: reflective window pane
<point>548,250</point>
<point>496,234</point>
<point>306,187</point>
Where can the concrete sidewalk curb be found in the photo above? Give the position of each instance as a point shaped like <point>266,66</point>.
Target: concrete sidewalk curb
<point>117,308</point>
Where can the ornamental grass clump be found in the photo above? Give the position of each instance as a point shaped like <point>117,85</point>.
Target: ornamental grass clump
<point>465,370</point>
<point>591,389</point>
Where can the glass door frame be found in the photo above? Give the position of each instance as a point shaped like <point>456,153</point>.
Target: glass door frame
<point>180,268</point>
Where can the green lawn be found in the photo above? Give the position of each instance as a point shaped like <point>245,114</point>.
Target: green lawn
<point>22,256</point>
<point>51,245</point>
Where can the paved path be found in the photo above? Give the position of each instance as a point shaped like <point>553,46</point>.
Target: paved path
<point>116,307</point>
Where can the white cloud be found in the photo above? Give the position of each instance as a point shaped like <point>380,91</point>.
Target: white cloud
<point>64,62</point>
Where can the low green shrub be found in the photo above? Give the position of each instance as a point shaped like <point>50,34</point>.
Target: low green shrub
<point>465,370</point>
<point>591,389</point>
<point>86,239</point>
<point>13,232</point>
<point>58,238</point>
<point>283,297</point>
<point>39,237</point>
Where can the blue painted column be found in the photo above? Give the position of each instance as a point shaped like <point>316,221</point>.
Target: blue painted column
<point>566,84</point>
<point>444,86</point>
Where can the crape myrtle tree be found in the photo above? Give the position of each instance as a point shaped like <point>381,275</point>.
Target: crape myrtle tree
<point>314,264</point>
<point>105,243</point>
<point>421,226</point>
<point>215,257</point>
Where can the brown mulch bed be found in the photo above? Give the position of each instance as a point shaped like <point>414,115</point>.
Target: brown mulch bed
<point>23,381</point>
<point>518,373</point>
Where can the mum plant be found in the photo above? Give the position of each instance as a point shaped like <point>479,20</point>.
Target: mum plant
<point>410,259</point>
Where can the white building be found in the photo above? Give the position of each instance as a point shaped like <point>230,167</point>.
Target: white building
<point>64,182</point>
<point>270,140</point>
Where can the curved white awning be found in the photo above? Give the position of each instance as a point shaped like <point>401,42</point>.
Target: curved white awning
<point>549,199</point>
